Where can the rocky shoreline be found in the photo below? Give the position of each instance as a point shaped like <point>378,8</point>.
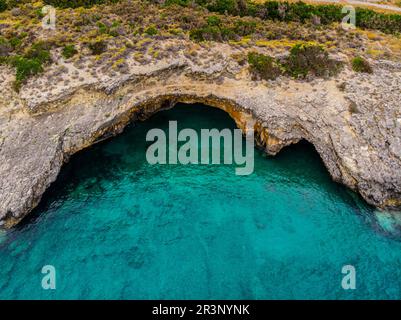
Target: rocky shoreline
<point>352,119</point>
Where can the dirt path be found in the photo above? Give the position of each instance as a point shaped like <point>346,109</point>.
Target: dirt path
<point>387,7</point>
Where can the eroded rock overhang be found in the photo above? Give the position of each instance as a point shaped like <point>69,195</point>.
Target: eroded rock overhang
<point>361,149</point>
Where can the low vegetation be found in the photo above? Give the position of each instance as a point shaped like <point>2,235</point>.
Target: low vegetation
<point>359,64</point>
<point>216,30</point>
<point>106,35</point>
<point>151,31</point>
<point>97,47</point>
<point>263,66</point>
<point>76,3</point>
<point>3,5</point>
<point>304,59</point>
<point>312,59</point>
<point>299,12</point>
<point>69,51</point>
<point>5,47</point>
<point>29,64</point>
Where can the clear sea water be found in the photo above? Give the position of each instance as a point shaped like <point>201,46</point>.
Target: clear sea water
<point>116,227</point>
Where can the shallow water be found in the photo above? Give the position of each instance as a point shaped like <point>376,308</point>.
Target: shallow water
<point>116,227</point>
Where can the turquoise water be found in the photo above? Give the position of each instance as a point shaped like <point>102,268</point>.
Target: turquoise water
<point>116,227</point>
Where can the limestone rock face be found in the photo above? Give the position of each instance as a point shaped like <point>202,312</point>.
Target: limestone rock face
<point>353,120</point>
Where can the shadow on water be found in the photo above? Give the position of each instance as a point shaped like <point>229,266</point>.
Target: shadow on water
<point>80,170</point>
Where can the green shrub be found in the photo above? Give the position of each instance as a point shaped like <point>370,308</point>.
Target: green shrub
<point>263,66</point>
<point>108,30</point>
<point>207,33</point>
<point>213,21</point>
<point>307,59</point>
<point>77,3</point>
<point>222,6</point>
<point>31,63</point>
<point>15,42</point>
<point>69,51</point>
<point>244,28</point>
<point>177,2</point>
<point>3,60</point>
<point>301,12</point>
<point>216,30</point>
<point>24,68</point>
<point>40,52</point>
<point>102,27</point>
<point>97,47</point>
<point>366,18</point>
<point>151,31</point>
<point>39,13</point>
<point>3,5</point>
<point>359,64</point>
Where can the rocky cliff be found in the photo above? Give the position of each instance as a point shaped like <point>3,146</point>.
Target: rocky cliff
<point>353,120</point>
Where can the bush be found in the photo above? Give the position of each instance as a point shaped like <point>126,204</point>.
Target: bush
<point>151,31</point>
<point>69,51</point>
<point>24,68</point>
<point>76,3</point>
<point>304,59</point>
<point>213,21</point>
<point>15,42</point>
<point>307,59</point>
<point>244,28</point>
<point>30,63</point>
<point>39,51</point>
<point>102,28</point>
<point>366,18</point>
<point>97,47</point>
<point>263,66</point>
<point>207,33</point>
<point>233,7</point>
<point>301,12</point>
<point>3,5</point>
<point>216,30</point>
<point>359,64</point>
<point>177,2</point>
<point>222,6</point>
